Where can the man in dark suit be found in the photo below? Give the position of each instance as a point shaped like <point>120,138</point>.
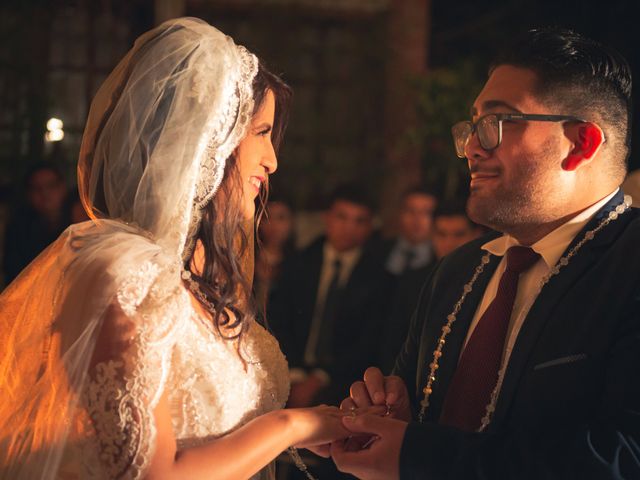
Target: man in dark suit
<point>412,249</point>
<point>327,311</point>
<point>523,358</point>
<point>451,229</point>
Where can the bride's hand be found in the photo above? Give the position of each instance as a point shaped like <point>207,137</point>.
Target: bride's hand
<point>316,425</point>
<point>322,449</point>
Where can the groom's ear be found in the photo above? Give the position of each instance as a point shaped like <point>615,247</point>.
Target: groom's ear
<point>587,139</point>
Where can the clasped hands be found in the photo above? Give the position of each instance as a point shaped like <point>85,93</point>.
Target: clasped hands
<point>376,414</point>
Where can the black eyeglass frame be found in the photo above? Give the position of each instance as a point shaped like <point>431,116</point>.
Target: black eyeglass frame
<point>500,117</point>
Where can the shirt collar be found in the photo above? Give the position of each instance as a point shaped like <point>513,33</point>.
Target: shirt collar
<point>348,258</point>
<point>420,249</point>
<point>551,246</point>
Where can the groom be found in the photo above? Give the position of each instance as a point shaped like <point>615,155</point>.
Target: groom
<point>499,377</point>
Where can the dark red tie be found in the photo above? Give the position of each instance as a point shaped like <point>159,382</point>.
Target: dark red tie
<point>477,372</point>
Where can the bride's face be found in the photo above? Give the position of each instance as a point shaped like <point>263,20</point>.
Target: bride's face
<point>255,156</point>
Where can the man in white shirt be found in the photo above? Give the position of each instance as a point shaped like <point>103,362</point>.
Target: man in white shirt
<point>523,358</point>
<point>327,308</point>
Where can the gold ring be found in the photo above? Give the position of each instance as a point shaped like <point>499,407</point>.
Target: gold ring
<point>352,411</point>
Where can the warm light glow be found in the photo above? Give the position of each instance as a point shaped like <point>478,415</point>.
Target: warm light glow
<point>54,136</point>
<point>54,124</point>
<point>54,130</point>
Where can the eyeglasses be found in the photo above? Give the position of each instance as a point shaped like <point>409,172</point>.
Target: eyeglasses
<point>489,128</point>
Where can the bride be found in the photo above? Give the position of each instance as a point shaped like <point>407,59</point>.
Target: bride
<point>130,346</point>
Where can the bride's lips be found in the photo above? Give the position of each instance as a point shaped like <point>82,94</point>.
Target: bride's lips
<point>256,182</point>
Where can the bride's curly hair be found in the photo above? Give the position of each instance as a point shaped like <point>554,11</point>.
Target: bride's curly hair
<point>227,273</point>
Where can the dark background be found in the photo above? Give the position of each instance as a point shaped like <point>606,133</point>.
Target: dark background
<point>335,54</point>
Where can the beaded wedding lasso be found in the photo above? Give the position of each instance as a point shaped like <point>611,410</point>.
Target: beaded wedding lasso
<point>451,318</point>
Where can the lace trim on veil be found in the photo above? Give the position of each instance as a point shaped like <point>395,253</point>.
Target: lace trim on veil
<point>235,119</point>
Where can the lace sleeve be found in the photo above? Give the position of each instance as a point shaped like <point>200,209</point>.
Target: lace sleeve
<point>128,372</point>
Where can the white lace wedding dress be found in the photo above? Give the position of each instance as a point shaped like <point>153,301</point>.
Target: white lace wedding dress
<point>78,392</point>
<point>211,391</point>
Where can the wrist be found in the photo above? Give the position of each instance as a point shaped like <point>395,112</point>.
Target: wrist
<point>289,422</point>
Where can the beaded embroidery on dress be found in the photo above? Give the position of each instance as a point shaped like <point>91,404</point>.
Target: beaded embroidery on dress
<point>210,393</point>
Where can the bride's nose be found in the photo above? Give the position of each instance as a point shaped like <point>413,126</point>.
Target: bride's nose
<point>269,159</point>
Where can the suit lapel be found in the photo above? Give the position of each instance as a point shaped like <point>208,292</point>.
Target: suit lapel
<point>550,296</point>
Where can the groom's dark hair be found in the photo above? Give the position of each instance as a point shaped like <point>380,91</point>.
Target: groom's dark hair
<point>580,77</point>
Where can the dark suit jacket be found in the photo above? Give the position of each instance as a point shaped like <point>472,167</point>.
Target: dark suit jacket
<point>569,407</point>
<point>357,328</point>
<point>403,294</point>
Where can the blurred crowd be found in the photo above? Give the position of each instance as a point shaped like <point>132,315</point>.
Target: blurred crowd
<point>43,208</point>
<point>344,301</point>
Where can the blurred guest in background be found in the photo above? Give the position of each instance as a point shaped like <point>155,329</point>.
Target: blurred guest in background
<point>326,312</point>
<point>275,245</point>
<point>38,223</point>
<point>412,249</point>
<point>323,313</point>
<point>77,213</point>
<point>452,228</point>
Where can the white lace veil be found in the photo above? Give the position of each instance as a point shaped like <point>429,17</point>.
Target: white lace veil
<point>153,154</point>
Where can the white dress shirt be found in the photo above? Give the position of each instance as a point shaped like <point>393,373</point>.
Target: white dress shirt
<point>550,247</point>
<point>397,261</point>
<point>348,261</point>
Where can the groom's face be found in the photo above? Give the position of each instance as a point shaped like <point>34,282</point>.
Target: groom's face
<point>522,180</point>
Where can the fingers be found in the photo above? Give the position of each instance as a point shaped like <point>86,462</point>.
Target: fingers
<point>376,389</point>
<point>360,395</point>
<point>348,404</point>
<point>375,384</point>
<point>395,389</point>
<point>355,443</point>
<point>371,424</point>
<point>351,459</point>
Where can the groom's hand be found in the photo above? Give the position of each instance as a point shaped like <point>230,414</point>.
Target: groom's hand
<point>376,389</point>
<point>381,458</point>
